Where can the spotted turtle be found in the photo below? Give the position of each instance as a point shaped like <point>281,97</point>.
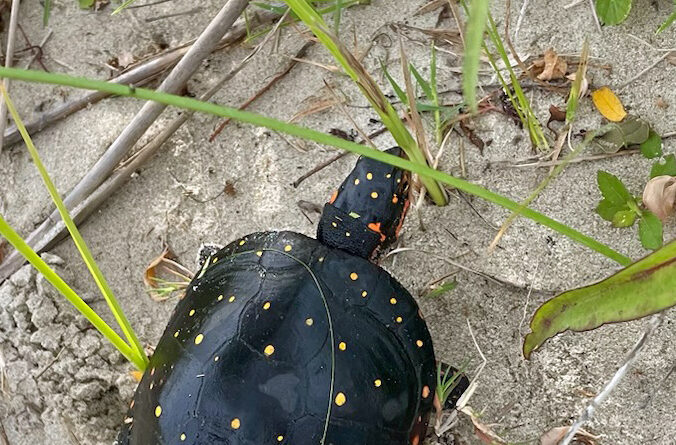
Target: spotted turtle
<point>285,339</point>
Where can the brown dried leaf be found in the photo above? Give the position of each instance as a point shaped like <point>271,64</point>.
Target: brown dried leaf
<point>485,434</point>
<point>316,105</point>
<point>430,6</point>
<point>150,273</point>
<point>555,67</point>
<point>165,263</point>
<point>659,196</point>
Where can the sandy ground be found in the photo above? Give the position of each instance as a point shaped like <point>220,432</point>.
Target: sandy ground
<point>64,385</point>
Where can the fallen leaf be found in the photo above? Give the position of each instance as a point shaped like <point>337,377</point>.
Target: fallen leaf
<point>160,289</point>
<point>555,114</point>
<point>608,104</point>
<point>554,66</point>
<point>659,196</point>
<point>554,436</point>
<point>661,103</point>
<point>584,85</point>
<point>633,130</point>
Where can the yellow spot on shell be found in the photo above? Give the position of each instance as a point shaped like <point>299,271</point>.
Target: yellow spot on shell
<point>235,424</point>
<point>266,305</point>
<point>364,294</point>
<point>356,182</point>
<point>158,411</point>
<point>214,261</point>
<point>347,233</point>
<point>374,195</point>
<point>309,322</point>
<point>342,346</point>
<point>192,312</point>
<point>259,253</point>
<point>216,358</point>
<point>399,319</point>
<point>199,339</point>
<point>334,224</point>
<point>231,299</point>
<point>321,259</point>
<point>241,243</point>
<point>377,383</point>
<point>340,399</point>
<point>369,176</point>
<point>182,437</point>
<point>393,300</point>
<point>280,438</point>
<point>287,248</point>
<point>269,350</point>
<point>388,176</point>
<point>176,334</point>
<point>419,343</point>
<point>354,276</point>
<point>220,297</point>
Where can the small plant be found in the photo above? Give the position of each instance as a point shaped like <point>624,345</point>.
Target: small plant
<point>622,209</point>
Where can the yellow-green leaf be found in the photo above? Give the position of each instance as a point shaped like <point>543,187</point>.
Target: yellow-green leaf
<point>608,104</point>
<point>643,288</point>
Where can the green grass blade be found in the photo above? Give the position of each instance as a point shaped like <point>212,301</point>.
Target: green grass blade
<point>395,86</point>
<point>313,135</point>
<point>75,234</point>
<point>123,6</point>
<point>644,288</point>
<point>474,37</point>
<point>47,9</point>
<point>425,85</point>
<point>435,95</point>
<point>55,280</point>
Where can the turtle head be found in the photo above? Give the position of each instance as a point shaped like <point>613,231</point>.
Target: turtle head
<point>365,214</point>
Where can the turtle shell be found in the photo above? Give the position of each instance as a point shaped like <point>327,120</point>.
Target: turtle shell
<point>283,340</point>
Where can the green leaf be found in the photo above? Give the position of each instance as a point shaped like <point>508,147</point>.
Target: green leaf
<point>612,188</point>
<point>643,288</point>
<point>667,23</point>
<point>652,147</point>
<point>613,12</point>
<point>441,289</point>
<point>395,86</point>
<point>427,89</point>
<point>624,218</point>
<point>86,4</point>
<point>474,37</point>
<point>667,168</point>
<point>650,231</point>
<point>607,209</point>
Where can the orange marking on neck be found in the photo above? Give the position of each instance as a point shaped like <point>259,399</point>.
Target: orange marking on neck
<point>333,197</point>
<point>395,199</point>
<point>376,228</point>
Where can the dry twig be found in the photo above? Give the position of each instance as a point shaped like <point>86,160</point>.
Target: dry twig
<point>588,412</point>
<point>9,58</point>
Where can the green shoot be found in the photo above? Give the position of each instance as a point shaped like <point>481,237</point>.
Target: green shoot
<point>447,381</point>
<point>312,135</point>
<point>55,280</point>
<point>518,98</point>
<point>75,234</point>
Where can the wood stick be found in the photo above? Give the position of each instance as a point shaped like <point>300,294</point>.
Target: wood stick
<point>9,58</point>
